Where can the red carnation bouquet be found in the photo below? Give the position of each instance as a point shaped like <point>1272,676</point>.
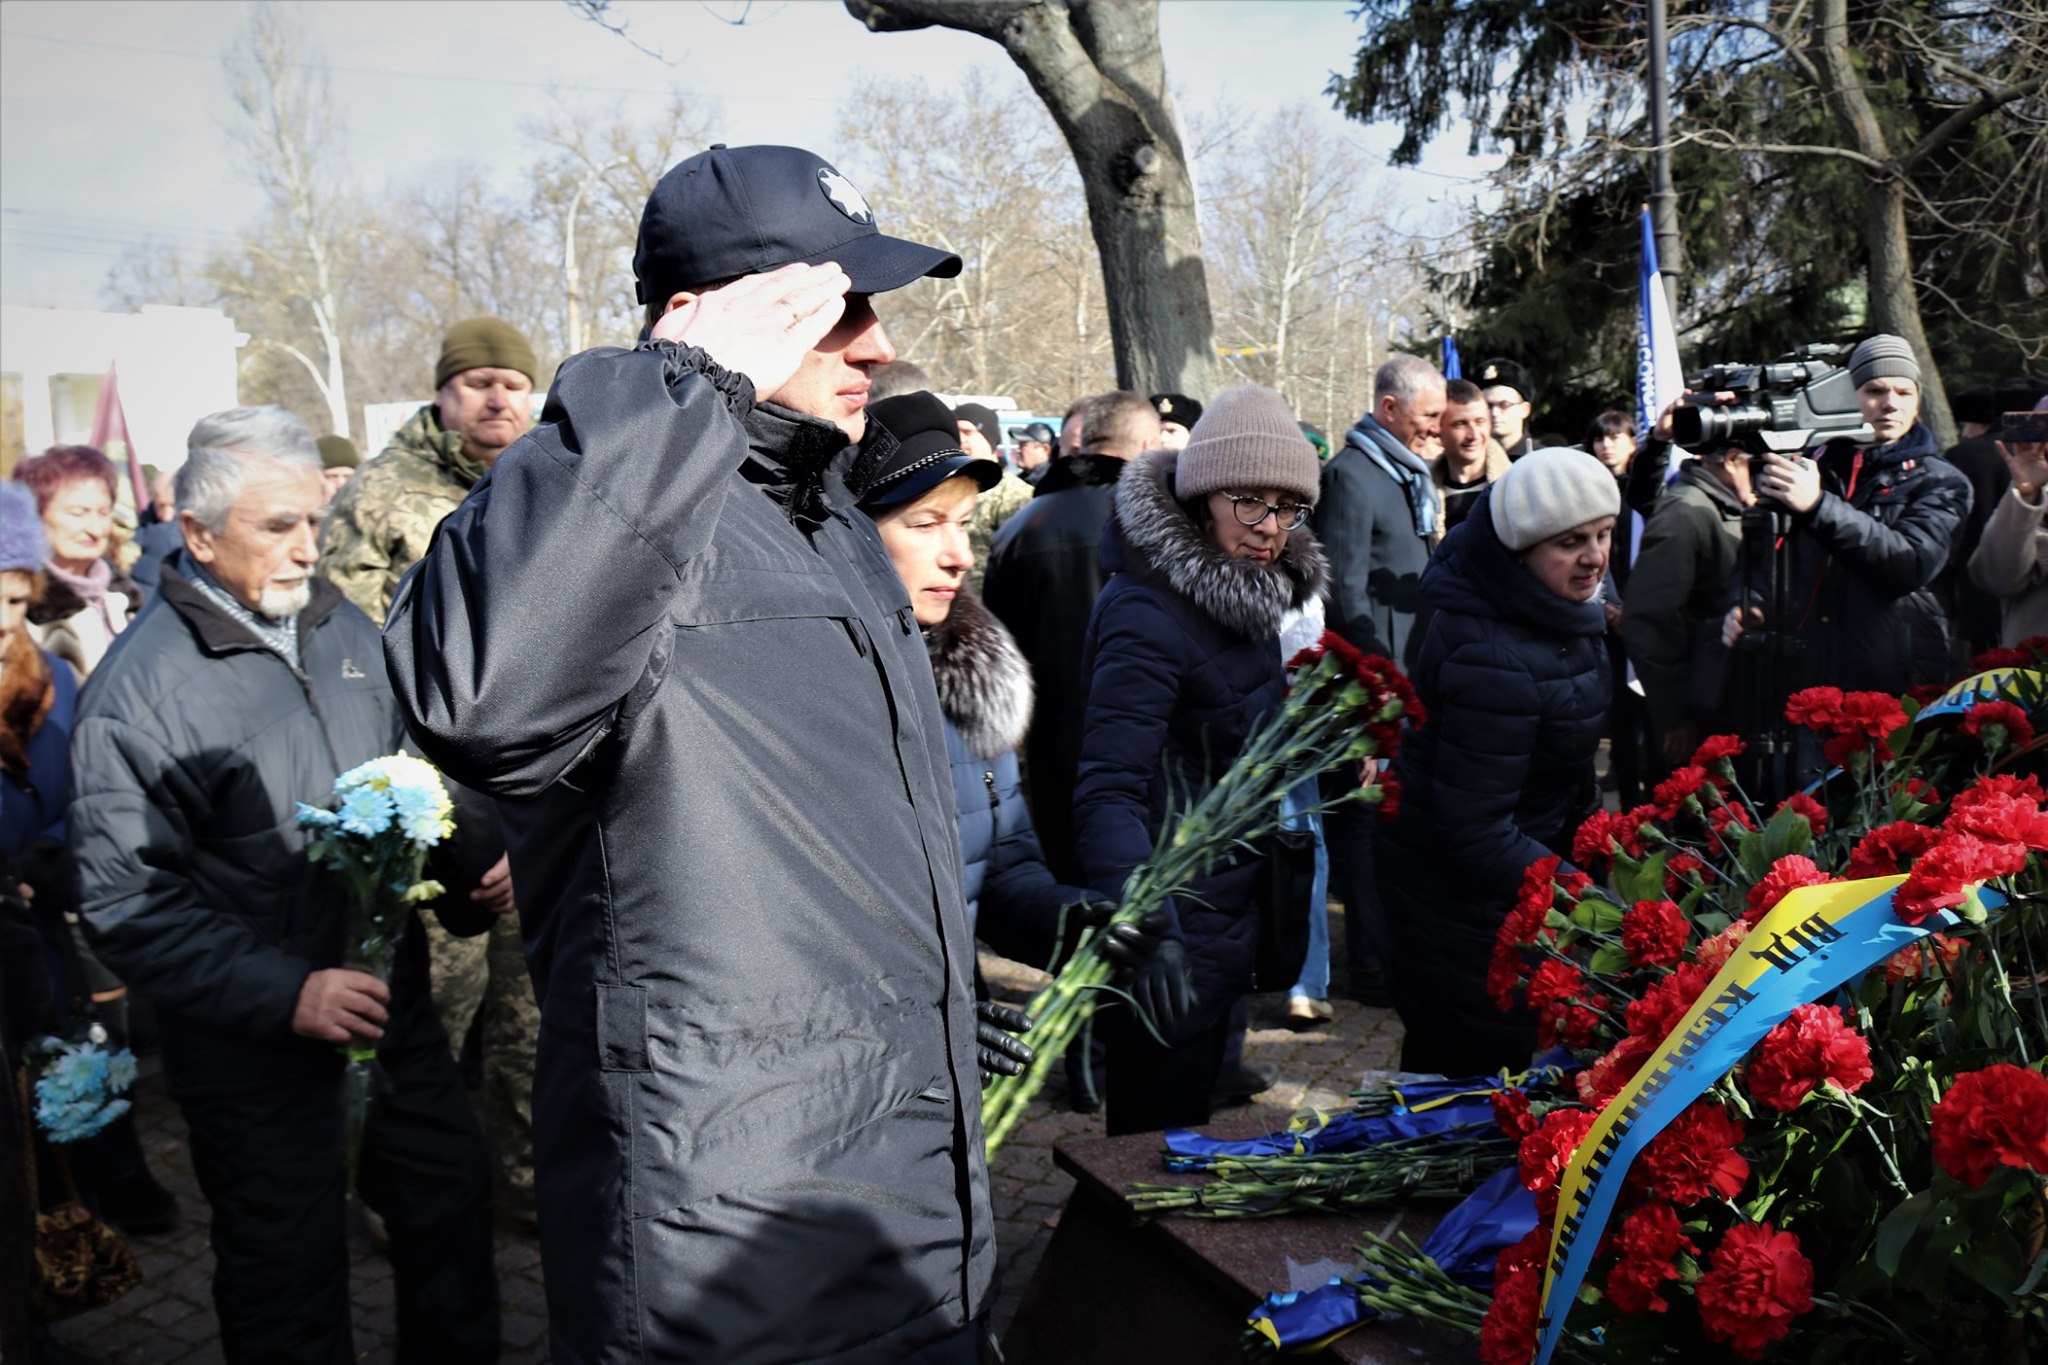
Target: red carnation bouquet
<point>1870,1182</point>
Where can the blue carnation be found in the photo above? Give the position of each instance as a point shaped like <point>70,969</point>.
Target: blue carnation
<point>367,812</point>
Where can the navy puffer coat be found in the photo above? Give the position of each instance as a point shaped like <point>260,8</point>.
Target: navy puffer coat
<point>1183,663</point>
<point>1013,901</point>
<point>1515,682</point>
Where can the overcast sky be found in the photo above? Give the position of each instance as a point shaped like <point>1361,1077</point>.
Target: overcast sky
<point>111,113</point>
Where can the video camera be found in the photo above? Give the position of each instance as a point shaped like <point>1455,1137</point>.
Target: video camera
<point>1788,406</point>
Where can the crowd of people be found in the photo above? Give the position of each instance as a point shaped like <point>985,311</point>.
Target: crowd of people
<point>766,684</point>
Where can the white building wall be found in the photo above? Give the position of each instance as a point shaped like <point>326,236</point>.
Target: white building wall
<point>175,366</point>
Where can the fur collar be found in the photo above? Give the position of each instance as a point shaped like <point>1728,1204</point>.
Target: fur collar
<point>984,683</point>
<point>1244,597</point>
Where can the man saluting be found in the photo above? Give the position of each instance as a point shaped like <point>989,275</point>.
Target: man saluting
<point>692,677</point>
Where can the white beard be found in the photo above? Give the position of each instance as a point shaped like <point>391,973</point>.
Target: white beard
<point>279,604</point>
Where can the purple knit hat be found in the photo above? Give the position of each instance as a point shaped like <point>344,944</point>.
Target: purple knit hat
<point>23,546</point>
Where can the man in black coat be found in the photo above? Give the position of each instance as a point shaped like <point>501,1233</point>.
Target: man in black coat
<point>660,634</point>
<point>1043,575</point>
<point>245,687</point>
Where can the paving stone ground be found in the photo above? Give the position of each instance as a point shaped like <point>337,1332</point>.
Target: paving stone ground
<point>169,1318</point>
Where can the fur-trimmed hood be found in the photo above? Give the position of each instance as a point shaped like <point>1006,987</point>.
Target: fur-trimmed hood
<point>1243,596</point>
<point>984,682</point>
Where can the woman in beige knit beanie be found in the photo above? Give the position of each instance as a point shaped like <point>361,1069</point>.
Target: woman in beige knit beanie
<point>1208,550</point>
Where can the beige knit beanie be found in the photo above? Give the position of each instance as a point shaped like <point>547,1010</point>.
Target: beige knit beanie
<point>1247,438</point>
<point>1549,491</point>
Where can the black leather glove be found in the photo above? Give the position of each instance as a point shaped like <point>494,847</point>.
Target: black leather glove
<point>1130,945</point>
<point>1164,987</point>
<point>996,1047</point>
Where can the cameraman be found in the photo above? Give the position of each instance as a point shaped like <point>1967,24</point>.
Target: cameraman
<point>1871,528</point>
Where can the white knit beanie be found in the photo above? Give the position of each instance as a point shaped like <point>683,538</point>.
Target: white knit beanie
<point>1247,438</point>
<point>1550,491</point>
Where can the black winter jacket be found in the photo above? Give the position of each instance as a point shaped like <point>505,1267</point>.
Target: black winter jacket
<point>194,744</point>
<point>1013,901</point>
<point>1864,564</point>
<point>1515,682</point>
<point>695,684</point>
<point>1183,660</point>
<point>1043,574</point>
<point>1678,593</point>
<point>1367,529</point>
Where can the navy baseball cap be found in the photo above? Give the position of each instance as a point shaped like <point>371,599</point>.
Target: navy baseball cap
<point>927,452</point>
<point>733,211</point>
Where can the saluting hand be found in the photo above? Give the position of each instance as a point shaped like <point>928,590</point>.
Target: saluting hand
<point>761,325</point>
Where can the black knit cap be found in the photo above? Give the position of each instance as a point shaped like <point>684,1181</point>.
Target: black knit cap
<point>927,452</point>
<point>733,211</point>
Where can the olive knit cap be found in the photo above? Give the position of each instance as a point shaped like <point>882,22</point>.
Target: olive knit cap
<point>1882,357</point>
<point>339,452</point>
<point>476,343</point>
<point>23,546</point>
<point>1548,492</point>
<point>1247,438</point>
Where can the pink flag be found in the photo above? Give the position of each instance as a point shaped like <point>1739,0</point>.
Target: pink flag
<point>110,423</point>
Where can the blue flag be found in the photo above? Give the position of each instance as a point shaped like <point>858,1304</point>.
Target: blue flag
<point>1659,377</point>
<point>1453,368</point>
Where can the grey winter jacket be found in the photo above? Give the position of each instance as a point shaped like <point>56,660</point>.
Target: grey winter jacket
<point>1678,591</point>
<point>694,682</point>
<point>1367,528</point>
<point>193,745</point>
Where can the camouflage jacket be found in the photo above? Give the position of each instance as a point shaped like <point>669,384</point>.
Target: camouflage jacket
<point>380,524</point>
<point>998,505</point>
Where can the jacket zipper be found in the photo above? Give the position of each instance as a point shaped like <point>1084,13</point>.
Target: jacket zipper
<point>995,802</point>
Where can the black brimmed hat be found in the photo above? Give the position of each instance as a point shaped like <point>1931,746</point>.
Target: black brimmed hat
<point>1177,407</point>
<point>927,452</point>
<point>733,211</point>
<point>1502,373</point>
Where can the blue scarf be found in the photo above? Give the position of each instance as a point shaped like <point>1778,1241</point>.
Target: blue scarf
<point>1400,464</point>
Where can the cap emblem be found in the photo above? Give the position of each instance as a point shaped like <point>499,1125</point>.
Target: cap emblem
<point>844,196</point>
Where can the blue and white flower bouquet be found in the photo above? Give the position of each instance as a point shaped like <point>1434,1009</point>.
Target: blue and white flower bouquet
<point>388,813</point>
<point>79,1086</point>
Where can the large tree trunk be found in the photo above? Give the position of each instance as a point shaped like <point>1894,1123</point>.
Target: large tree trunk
<point>1894,302</point>
<point>1098,67</point>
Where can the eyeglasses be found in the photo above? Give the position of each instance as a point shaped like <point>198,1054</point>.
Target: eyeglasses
<point>1251,511</point>
<point>1503,404</point>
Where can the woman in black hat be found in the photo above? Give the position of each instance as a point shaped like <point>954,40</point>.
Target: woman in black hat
<point>922,500</point>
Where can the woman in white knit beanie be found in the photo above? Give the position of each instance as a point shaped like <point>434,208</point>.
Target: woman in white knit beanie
<point>1513,673</point>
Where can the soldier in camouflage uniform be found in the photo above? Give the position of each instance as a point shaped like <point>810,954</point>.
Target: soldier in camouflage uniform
<point>980,433</point>
<point>377,528</point>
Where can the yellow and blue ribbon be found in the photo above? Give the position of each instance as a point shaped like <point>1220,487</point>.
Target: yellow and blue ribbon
<point>1811,942</point>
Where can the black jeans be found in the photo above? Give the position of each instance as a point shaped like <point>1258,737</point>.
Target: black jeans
<point>271,1163</point>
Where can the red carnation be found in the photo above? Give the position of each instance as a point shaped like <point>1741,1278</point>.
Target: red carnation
<point>1654,933</point>
<point>2000,786</point>
<point>1508,1335</point>
<point>1503,977</point>
<point>1390,794</point>
<point>1998,819</point>
<point>1543,1154</point>
<point>1511,1113</point>
<point>1717,749</point>
<point>1603,1080</point>
<point>1718,821</point>
<point>1679,867</point>
<point>1594,844</point>
<point>1886,850</point>
<point>1670,795</point>
<point>1756,1283</point>
<point>1571,1022</point>
<point>1816,708</point>
<point>1787,874</point>
<point>2000,658</point>
<point>1665,1003</point>
<point>1555,980</point>
<point>1998,723</point>
<point>1873,715</point>
<point>1991,1118</point>
<point>1813,1044</point>
<point>1695,1157</point>
<point>1816,814</point>
<point>1647,1242</point>
<point>1942,876</point>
